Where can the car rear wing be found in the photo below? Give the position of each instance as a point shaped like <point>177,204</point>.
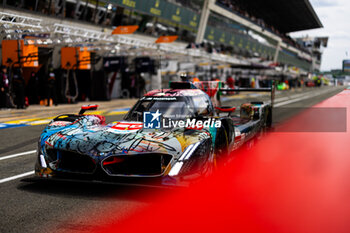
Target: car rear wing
<point>271,89</point>
<point>89,107</point>
<point>214,89</point>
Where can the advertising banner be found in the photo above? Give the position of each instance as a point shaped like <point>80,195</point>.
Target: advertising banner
<point>346,65</point>
<point>163,9</point>
<point>14,52</point>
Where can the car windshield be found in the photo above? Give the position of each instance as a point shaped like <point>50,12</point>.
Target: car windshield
<point>173,108</point>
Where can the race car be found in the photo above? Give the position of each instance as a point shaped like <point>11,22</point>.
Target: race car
<point>169,137</point>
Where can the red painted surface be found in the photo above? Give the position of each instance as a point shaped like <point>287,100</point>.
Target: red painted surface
<point>89,107</point>
<point>127,126</point>
<point>226,109</point>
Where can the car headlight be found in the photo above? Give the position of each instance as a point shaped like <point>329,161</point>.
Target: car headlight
<point>41,157</point>
<point>186,155</point>
<point>42,161</point>
<point>189,151</point>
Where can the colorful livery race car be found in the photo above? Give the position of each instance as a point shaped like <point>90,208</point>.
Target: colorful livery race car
<point>170,137</point>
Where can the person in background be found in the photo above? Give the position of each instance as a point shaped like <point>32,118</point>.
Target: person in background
<point>142,86</point>
<point>184,77</point>
<point>230,82</point>
<point>252,83</point>
<point>33,89</point>
<point>51,84</point>
<point>4,85</point>
<point>133,86</point>
<point>18,87</point>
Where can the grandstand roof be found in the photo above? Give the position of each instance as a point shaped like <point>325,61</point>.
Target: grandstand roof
<point>285,15</point>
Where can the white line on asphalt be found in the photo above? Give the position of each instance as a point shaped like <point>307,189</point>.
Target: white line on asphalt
<point>293,97</point>
<point>18,154</point>
<point>300,98</point>
<point>16,177</point>
<point>296,98</point>
<point>291,101</point>
<point>281,99</point>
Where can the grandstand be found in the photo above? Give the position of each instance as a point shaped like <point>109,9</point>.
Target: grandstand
<point>216,38</point>
<point>229,24</point>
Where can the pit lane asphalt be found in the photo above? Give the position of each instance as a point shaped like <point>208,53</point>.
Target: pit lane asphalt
<point>47,206</point>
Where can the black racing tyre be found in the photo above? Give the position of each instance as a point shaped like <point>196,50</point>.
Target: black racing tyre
<point>269,118</point>
<point>221,143</point>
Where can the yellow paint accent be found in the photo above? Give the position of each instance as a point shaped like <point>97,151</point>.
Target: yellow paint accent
<point>31,121</point>
<point>116,113</point>
<point>95,113</point>
<point>46,171</point>
<point>64,116</point>
<point>185,141</point>
<point>166,172</point>
<point>129,3</point>
<point>22,121</point>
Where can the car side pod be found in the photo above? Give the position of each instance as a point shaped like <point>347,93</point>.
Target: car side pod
<point>89,107</point>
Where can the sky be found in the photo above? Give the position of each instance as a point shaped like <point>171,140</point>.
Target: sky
<point>335,17</point>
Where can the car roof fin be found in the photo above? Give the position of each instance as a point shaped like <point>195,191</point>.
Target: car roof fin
<point>89,107</point>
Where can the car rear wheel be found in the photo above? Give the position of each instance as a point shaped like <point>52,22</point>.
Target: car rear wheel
<point>221,143</point>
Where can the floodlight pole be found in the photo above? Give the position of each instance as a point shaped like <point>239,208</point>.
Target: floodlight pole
<point>160,58</point>
<point>278,47</point>
<point>203,22</point>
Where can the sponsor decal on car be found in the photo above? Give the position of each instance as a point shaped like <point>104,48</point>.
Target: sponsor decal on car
<point>126,127</point>
<point>59,123</point>
<point>160,98</point>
